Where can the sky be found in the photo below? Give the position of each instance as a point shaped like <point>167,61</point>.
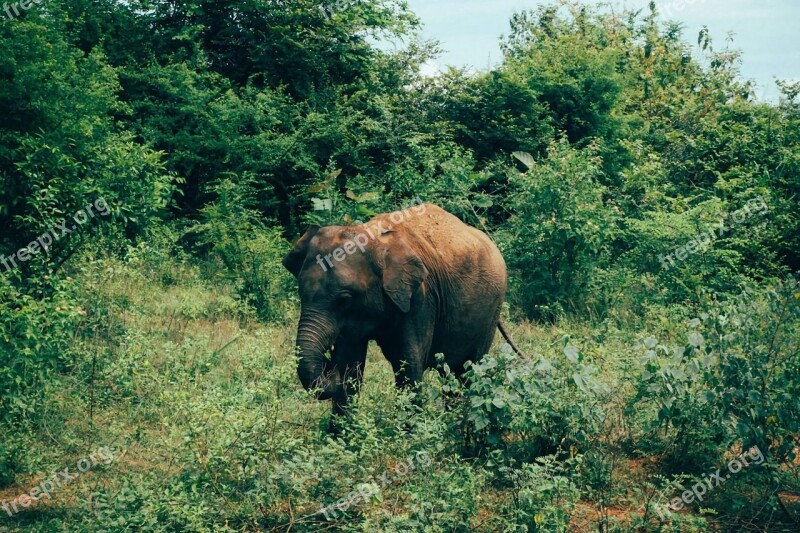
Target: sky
<point>766,31</point>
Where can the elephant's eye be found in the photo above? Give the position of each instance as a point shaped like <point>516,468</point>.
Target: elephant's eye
<point>343,299</point>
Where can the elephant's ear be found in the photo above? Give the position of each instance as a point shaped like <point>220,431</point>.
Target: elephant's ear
<point>403,273</point>
<point>294,259</point>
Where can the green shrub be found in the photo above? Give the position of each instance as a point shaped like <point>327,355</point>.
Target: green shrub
<point>249,252</point>
<point>561,231</point>
<point>36,341</point>
<point>518,409</point>
<point>731,386</point>
<point>545,493</point>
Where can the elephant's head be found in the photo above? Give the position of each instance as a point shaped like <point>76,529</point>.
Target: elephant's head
<point>352,280</point>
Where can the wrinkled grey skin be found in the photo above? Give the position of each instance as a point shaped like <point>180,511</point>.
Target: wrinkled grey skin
<point>425,283</point>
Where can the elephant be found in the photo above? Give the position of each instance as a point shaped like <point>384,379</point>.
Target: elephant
<point>418,282</point>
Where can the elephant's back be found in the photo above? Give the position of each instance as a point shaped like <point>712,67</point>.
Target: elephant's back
<point>448,245</point>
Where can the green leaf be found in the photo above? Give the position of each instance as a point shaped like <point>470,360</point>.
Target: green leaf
<point>696,339</point>
<point>573,354</point>
<point>322,205</point>
<point>324,186</point>
<point>484,202</point>
<point>525,158</point>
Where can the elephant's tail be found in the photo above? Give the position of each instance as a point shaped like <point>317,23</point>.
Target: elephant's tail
<point>507,337</point>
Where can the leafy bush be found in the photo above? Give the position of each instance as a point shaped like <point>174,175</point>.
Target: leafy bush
<point>732,384</point>
<point>517,410</point>
<point>545,493</point>
<point>36,342</point>
<point>250,252</point>
<point>561,231</point>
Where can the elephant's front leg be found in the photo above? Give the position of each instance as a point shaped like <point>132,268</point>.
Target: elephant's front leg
<point>349,356</point>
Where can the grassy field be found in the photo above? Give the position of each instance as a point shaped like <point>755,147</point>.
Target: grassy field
<point>209,429</point>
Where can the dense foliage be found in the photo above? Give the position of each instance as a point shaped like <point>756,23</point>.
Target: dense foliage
<point>162,155</point>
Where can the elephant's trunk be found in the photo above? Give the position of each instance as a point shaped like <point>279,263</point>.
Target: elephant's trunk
<point>315,335</point>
